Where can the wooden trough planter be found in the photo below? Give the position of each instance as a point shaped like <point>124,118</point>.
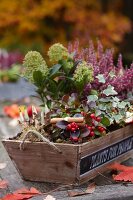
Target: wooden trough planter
<point>75,164</point>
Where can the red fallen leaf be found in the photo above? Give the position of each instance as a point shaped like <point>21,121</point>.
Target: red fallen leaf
<point>22,194</point>
<point>3,184</point>
<point>125,172</point>
<point>90,189</point>
<point>119,167</point>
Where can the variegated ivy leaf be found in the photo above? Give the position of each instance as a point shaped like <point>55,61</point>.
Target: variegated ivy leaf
<point>123,104</point>
<point>92,98</point>
<point>98,112</point>
<point>115,104</point>
<point>116,99</point>
<point>100,78</point>
<point>118,118</point>
<point>109,91</point>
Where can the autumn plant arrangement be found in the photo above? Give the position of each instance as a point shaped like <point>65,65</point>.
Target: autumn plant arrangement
<point>70,112</point>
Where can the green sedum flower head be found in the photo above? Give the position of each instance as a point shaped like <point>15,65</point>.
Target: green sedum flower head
<point>33,61</point>
<point>83,75</point>
<point>57,52</point>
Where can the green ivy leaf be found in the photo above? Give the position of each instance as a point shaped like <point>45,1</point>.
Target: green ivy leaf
<point>109,91</point>
<point>100,78</point>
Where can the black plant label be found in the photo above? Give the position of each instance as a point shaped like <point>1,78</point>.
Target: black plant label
<point>92,161</point>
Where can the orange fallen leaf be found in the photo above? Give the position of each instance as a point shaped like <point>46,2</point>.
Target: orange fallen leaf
<point>90,189</point>
<point>125,172</point>
<point>12,111</point>
<point>3,184</point>
<point>22,194</point>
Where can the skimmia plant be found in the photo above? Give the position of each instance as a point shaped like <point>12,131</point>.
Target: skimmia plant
<point>69,113</point>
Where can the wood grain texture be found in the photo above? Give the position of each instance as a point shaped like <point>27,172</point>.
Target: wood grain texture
<point>39,162</point>
<point>101,143</point>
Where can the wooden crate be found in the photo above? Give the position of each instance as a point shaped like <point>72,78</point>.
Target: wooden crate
<point>75,164</point>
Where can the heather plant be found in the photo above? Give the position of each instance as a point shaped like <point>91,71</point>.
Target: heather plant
<point>9,65</point>
<point>7,59</point>
<point>103,63</point>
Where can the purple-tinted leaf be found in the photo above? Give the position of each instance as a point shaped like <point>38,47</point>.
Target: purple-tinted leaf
<point>92,104</point>
<point>62,124</point>
<point>75,134</point>
<point>85,132</point>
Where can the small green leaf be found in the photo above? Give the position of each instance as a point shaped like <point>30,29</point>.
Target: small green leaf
<point>97,133</point>
<point>94,92</point>
<point>105,121</point>
<point>55,69</point>
<point>100,78</point>
<point>109,91</point>
<point>38,78</point>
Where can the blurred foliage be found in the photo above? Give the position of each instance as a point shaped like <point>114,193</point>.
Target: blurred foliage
<point>35,24</point>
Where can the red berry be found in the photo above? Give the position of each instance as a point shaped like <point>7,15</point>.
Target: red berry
<point>93,128</point>
<point>89,127</point>
<point>100,128</point>
<point>98,119</point>
<point>92,116</point>
<point>73,129</point>
<point>92,134</point>
<point>69,127</point>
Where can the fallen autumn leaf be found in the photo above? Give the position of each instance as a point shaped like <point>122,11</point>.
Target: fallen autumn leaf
<point>125,172</point>
<point>22,194</point>
<point>90,189</point>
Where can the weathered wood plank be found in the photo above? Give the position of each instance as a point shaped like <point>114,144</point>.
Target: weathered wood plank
<point>49,165</point>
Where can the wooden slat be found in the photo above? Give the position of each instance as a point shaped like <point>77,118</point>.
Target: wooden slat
<point>39,162</point>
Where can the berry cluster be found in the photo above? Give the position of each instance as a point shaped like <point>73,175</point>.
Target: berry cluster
<point>98,119</point>
<point>92,128</point>
<point>72,127</point>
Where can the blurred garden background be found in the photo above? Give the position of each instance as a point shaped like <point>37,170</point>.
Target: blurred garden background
<point>36,24</point>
